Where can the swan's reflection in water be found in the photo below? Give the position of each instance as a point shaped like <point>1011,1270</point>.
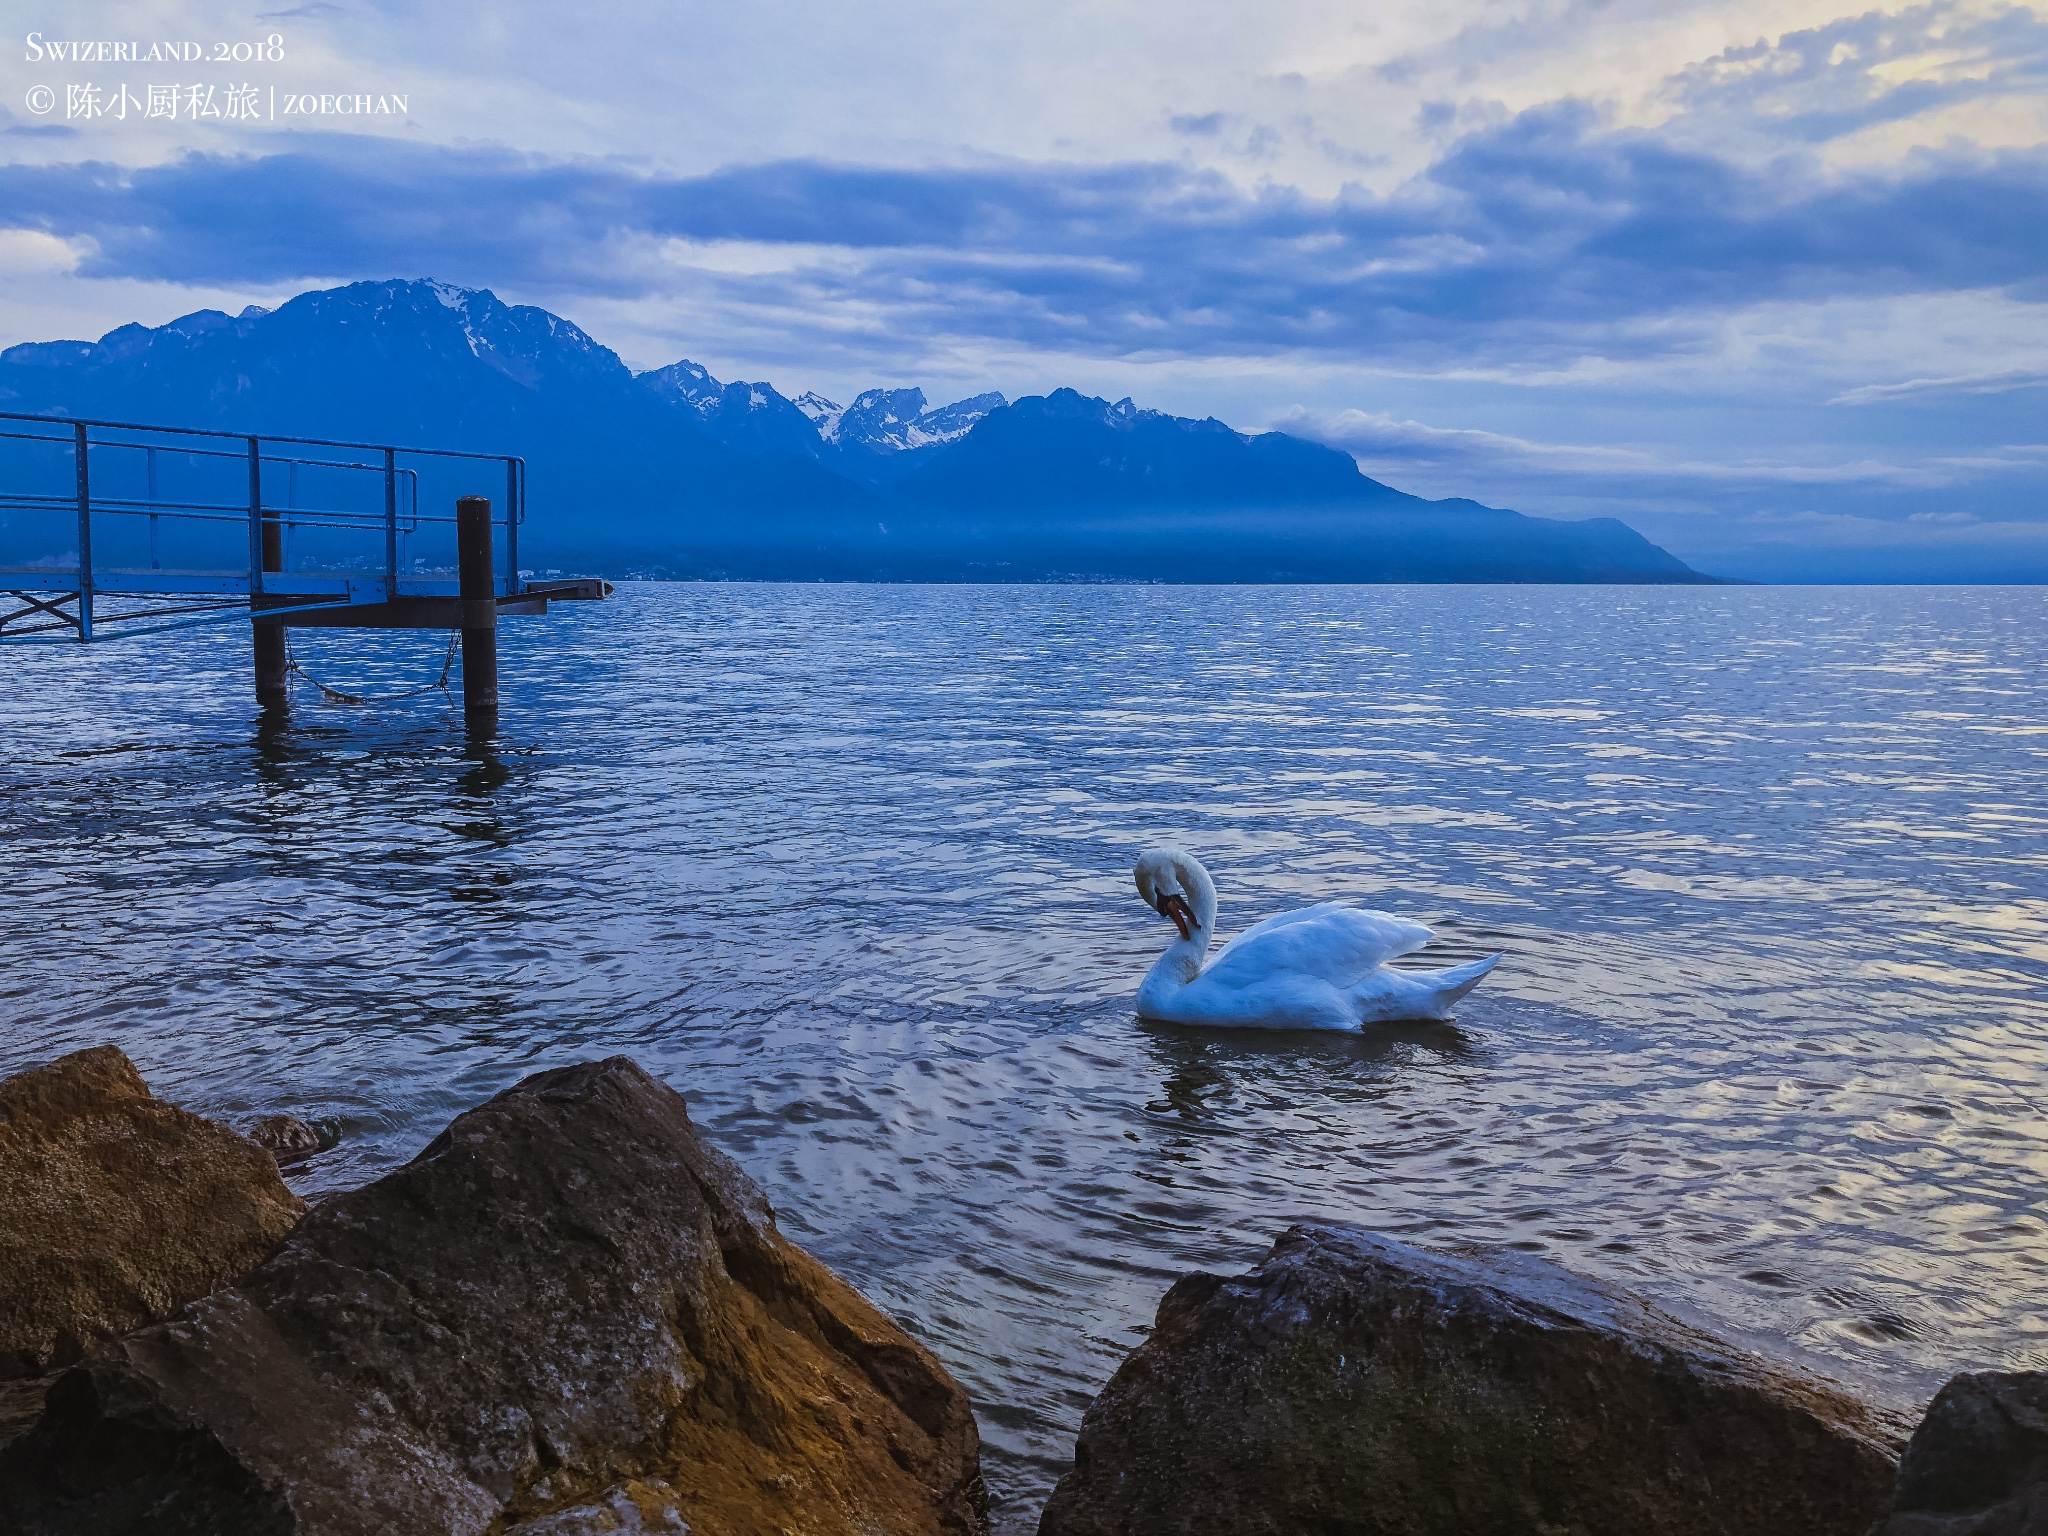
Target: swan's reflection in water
<point>1204,1069</point>
<point>850,866</point>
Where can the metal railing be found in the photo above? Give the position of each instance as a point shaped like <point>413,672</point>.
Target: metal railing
<point>355,547</point>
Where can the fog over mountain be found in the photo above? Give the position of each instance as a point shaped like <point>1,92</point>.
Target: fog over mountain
<point>675,472</point>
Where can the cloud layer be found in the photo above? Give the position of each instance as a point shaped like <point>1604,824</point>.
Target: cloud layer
<point>1543,239</point>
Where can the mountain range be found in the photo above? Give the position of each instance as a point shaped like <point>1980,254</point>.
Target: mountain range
<point>672,472</point>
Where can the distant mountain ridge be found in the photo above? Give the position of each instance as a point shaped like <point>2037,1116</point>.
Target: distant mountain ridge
<point>675,472</point>
<point>866,441</point>
<point>1074,450</point>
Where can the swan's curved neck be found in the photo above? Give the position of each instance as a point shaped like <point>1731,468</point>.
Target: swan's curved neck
<point>1201,896</point>
<point>1182,962</point>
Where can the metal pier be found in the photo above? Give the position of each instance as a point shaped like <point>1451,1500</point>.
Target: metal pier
<point>112,529</point>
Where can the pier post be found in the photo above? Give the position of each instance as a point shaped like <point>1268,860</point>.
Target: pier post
<point>273,672</point>
<point>479,612</point>
<point>79,447</point>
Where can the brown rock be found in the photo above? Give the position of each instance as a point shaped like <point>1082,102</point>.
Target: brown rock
<point>567,1314</point>
<point>1978,1463</point>
<point>116,1208</point>
<point>1355,1386</point>
<point>286,1138</point>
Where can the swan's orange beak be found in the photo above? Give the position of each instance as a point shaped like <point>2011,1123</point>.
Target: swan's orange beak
<point>1176,907</point>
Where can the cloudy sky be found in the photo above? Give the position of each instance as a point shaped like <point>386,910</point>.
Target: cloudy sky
<point>1768,280</point>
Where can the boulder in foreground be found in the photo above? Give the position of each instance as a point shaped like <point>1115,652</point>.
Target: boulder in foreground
<point>116,1208</point>
<point>1354,1386</point>
<point>1978,1463</point>
<point>568,1314</point>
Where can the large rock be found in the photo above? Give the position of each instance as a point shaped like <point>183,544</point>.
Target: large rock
<point>567,1315</point>
<point>286,1138</point>
<point>1978,1463</point>
<point>116,1208</point>
<point>1354,1386</point>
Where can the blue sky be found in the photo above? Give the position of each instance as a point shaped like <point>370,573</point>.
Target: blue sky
<point>1770,281</point>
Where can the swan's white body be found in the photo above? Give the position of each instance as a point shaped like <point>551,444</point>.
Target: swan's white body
<point>1324,967</point>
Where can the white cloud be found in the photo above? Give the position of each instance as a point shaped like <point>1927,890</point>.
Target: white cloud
<point>31,253</point>
<point>1381,442</point>
<point>1958,384</point>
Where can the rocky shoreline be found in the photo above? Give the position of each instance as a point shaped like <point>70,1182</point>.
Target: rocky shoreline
<point>570,1315</point>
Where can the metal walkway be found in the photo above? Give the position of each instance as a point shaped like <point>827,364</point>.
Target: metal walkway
<point>112,529</point>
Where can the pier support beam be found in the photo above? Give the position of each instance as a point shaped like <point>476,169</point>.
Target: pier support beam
<point>479,613</point>
<point>273,678</point>
<point>273,672</point>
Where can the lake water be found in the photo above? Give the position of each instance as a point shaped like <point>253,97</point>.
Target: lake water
<point>850,867</point>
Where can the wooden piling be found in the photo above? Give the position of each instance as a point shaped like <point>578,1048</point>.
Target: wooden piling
<point>479,612</point>
<point>273,669</point>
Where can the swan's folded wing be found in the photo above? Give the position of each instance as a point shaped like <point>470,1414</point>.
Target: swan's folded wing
<point>1337,943</point>
<point>1283,919</point>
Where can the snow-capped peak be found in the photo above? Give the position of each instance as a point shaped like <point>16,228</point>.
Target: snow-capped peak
<point>686,383</point>
<point>825,414</point>
<point>944,423</point>
<point>880,420</point>
<point>895,420</point>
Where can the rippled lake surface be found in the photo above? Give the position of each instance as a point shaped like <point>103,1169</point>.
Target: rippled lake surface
<point>849,867</point>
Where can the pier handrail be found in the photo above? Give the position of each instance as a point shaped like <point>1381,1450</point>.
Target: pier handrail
<point>268,437</point>
<point>266,520</point>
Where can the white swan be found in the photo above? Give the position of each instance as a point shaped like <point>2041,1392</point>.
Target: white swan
<point>1323,967</point>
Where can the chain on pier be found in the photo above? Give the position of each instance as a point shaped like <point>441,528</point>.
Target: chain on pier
<point>342,696</point>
